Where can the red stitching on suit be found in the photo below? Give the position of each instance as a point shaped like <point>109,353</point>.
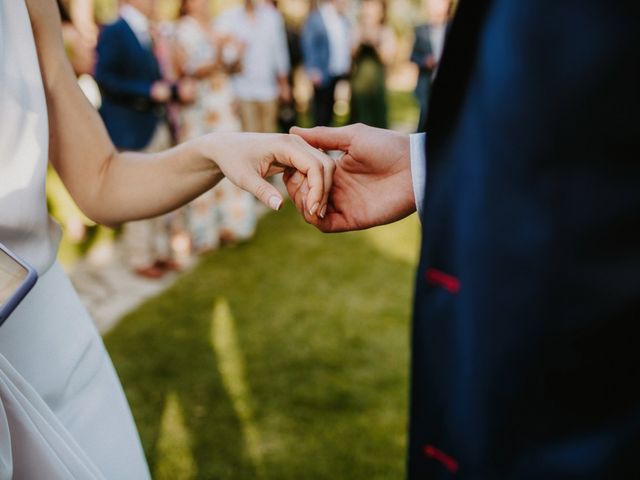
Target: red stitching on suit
<point>437,277</point>
<point>448,462</point>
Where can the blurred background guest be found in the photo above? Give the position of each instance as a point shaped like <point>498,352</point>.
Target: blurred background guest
<point>288,108</point>
<point>133,97</point>
<point>374,48</point>
<point>427,50</point>
<point>80,48</point>
<point>163,35</point>
<point>263,78</point>
<point>82,15</point>
<point>225,213</point>
<point>326,48</point>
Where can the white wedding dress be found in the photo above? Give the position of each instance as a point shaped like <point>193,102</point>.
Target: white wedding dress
<point>63,414</point>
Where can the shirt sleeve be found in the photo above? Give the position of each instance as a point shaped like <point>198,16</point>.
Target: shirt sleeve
<point>418,143</point>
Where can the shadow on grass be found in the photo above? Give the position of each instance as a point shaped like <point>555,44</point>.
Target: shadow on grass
<point>319,326</point>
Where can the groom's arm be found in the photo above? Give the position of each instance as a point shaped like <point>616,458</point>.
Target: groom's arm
<point>374,181</point>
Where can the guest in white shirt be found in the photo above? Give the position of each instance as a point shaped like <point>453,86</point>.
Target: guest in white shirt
<point>326,48</point>
<point>263,79</point>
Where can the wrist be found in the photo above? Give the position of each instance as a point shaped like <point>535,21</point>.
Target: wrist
<point>205,151</point>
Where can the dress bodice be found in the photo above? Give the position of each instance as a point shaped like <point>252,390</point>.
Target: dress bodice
<point>25,226</point>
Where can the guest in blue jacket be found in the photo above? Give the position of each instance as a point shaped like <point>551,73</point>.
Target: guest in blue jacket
<point>133,98</point>
<point>326,50</point>
<point>427,50</point>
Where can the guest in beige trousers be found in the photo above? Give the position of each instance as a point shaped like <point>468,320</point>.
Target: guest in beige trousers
<point>263,78</point>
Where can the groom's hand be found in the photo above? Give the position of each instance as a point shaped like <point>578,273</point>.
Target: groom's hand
<point>372,183</point>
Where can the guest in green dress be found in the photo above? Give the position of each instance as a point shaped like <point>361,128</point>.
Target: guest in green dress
<point>374,49</point>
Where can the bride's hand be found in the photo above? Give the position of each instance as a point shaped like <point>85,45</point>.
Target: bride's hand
<point>248,158</point>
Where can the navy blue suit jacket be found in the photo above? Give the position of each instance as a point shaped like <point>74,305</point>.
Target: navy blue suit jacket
<point>527,312</point>
<point>125,72</point>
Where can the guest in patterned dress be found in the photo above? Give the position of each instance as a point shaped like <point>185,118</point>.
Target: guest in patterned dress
<point>225,214</point>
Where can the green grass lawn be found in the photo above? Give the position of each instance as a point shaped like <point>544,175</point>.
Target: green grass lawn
<point>284,358</point>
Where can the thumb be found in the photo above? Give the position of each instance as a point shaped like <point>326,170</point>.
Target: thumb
<point>326,138</point>
<point>264,191</point>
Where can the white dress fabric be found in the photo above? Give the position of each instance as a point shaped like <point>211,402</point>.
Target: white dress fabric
<point>63,414</point>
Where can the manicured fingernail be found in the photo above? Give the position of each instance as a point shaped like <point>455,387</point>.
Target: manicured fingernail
<point>314,209</point>
<point>323,211</point>
<point>275,202</point>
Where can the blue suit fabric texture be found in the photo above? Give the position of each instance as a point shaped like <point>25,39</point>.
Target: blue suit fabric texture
<point>125,72</point>
<point>316,49</point>
<point>525,350</point>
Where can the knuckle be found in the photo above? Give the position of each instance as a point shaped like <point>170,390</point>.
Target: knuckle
<point>322,131</point>
<point>243,179</point>
<point>359,127</point>
<point>292,140</point>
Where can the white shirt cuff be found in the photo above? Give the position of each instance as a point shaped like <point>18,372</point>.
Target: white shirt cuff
<point>418,168</point>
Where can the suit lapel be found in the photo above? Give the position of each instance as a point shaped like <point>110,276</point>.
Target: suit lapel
<point>143,51</point>
<point>455,68</point>
<point>323,26</point>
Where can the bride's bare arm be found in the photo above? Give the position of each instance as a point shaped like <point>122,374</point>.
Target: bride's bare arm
<point>113,187</point>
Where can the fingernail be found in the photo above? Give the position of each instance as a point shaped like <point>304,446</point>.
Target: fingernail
<point>304,188</point>
<point>275,202</point>
<point>314,209</point>
<point>323,211</point>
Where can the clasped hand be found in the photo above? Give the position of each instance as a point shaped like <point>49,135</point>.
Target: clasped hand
<point>246,159</point>
<point>372,180</point>
<point>369,185</point>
